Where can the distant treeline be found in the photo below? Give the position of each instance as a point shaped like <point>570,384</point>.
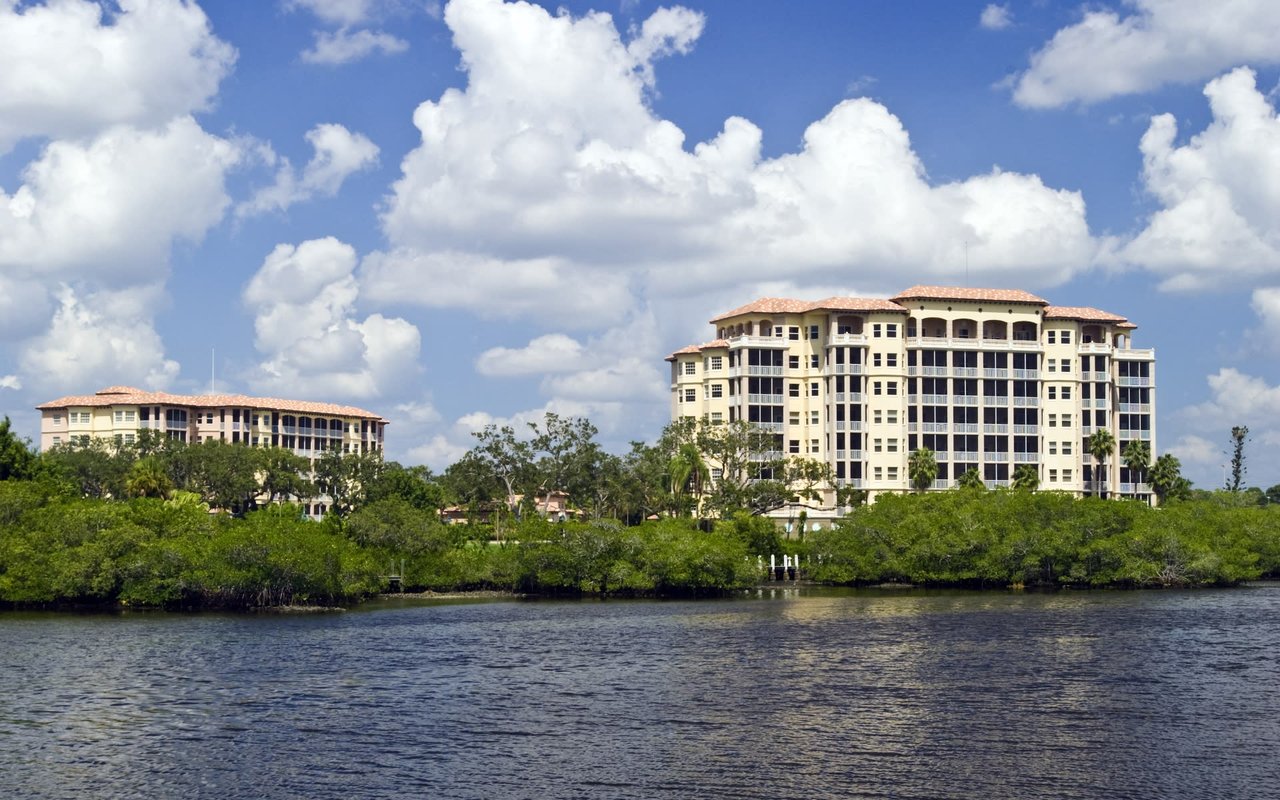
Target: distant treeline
<point>58,548</point>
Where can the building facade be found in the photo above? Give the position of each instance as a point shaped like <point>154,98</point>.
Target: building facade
<point>987,379</point>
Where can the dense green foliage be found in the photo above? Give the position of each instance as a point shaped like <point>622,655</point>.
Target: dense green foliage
<point>1048,538</point>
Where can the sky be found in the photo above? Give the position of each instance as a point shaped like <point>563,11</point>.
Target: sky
<point>474,212</point>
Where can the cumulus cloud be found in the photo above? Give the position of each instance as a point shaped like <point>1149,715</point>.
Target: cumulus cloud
<point>1161,41</point>
<point>339,153</point>
<point>10,382</point>
<point>344,46</point>
<point>65,71</point>
<point>1219,193</point>
<point>101,338</point>
<point>554,352</point>
<point>337,12</point>
<point>995,18</point>
<point>1236,398</point>
<point>112,206</point>
<point>549,170</point>
<point>303,298</point>
<point>1266,304</point>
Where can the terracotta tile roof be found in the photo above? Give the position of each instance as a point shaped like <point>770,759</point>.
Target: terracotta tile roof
<point>782,305</point>
<point>697,348</point>
<point>1081,313</point>
<point>127,395</point>
<point>969,295</point>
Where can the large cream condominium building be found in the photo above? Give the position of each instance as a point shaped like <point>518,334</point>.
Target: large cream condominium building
<point>987,379</point>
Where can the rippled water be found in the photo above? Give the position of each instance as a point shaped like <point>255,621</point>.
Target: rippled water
<point>817,693</point>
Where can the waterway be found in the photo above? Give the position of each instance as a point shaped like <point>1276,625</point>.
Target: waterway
<point>804,694</point>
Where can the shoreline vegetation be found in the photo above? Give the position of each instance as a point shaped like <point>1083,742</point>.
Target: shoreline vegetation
<point>63,551</point>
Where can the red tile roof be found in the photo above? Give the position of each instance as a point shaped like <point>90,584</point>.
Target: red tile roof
<point>782,305</point>
<point>970,295</point>
<point>1081,313</point>
<point>697,348</point>
<point>127,395</point>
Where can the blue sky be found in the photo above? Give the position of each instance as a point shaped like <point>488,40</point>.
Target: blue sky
<point>471,212</point>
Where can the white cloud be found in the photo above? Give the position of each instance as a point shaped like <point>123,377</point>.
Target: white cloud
<point>112,207</point>
<point>1266,304</point>
<point>303,299</point>
<point>65,72</point>
<point>548,188</point>
<point>1160,42</point>
<point>337,12</point>
<point>339,153</point>
<point>1236,398</point>
<point>995,18</point>
<point>344,46</point>
<point>438,452</point>
<point>1219,192</point>
<point>10,382</point>
<point>103,338</point>
<point>554,352</point>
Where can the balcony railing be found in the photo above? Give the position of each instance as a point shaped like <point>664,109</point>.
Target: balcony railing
<point>941,455</point>
<point>1026,458</point>
<point>964,456</point>
<point>934,372</point>
<point>995,399</point>
<point>1134,408</point>
<point>995,373</point>
<point>995,458</point>
<point>966,427</point>
<point>1128,380</point>
<point>736,342</point>
<point>1094,347</point>
<point>965,372</point>
<point>764,399</point>
<point>964,399</point>
<point>769,427</point>
<point>759,370</point>
<point>933,399</point>
<point>1026,430</point>
<point>844,369</point>
<point>849,425</point>
<point>837,339</point>
<point>996,484</point>
<point>1096,377</point>
<point>995,427</point>
<point>933,427</point>
<point>1026,374</point>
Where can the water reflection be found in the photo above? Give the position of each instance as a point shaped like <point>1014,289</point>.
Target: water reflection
<point>798,693</point>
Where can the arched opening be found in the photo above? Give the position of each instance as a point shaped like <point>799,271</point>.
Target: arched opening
<point>964,328</point>
<point>933,328</point>
<point>996,329</point>
<point>851,324</point>
<point>1025,332</point>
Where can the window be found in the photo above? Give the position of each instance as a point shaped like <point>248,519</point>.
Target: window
<point>875,359</point>
<point>1066,365</point>
<point>813,331</point>
<point>1053,393</point>
<point>717,390</point>
<point>717,362</point>
<point>57,440</point>
<point>892,446</point>
<point>1066,392</point>
<point>813,388</point>
<point>793,390</point>
<point>878,445</point>
<point>813,361</point>
<point>1066,476</point>
<point>875,388</point>
<point>129,438</point>
<point>1066,450</point>
<point>891,330</point>
<point>879,473</point>
<point>793,362</point>
<point>717,473</point>
<point>1051,337</point>
<point>875,417</point>
<point>1053,473</point>
<point>1053,420</point>
<point>690,395</point>
<point>1049,361</point>
<point>1066,420</point>
<point>690,368</point>
<point>891,417</point>
<point>891,359</point>
<point>893,473</point>
<point>875,330</point>
<point>1053,448</point>
<point>1066,339</point>
<point>813,445</point>
<point>125,416</point>
<point>57,419</point>
<point>793,446</point>
<point>794,418</point>
<point>813,417</point>
<point>793,333</point>
<point>892,387</point>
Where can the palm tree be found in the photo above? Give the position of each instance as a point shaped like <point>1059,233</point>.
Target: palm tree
<point>1166,477</point>
<point>1026,478</point>
<point>1137,457</point>
<point>148,478</point>
<point>971,479</point>
<point>688,473</point>
<point>1101,444</point>
<point>922,468</point>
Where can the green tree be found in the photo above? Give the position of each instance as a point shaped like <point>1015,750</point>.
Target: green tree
<point>17,462</point>
<point>1239,436</point>
<point>148,478</point>
<point>689,476</point>
<point>414,485</point>
<point>1273,495</point>
<point>1026,478</point>
<point>570,456</point>
<point>971,479</point>
<point>1101,445</point>
<point>283,475</point>
<point>1166,479</point>
<point>96,468</point>
<point>922,468</point>
<point>1137,457</point>
<point>346,478</point>
<point>500,457</point>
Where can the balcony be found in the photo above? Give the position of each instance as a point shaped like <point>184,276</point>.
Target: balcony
<point>964,399</point>
<point>1096,377</point>
<point>1136,354</point>
<point>757,370</point>
<point>933,399</point>
<point>965,372</point>
<point>933,427</point>
<point>848,455</point>
<point>839,339</point>
<point>995,399</point>
<point>773,342</point>
<point>995,428</point>
<point>1026,402</point>
<point>1125,380</point>
<point>934,372</point>
<point>764,399</point>
<point>769,427</point>
<point>849,425</point>
<point>966,427</point>
<point>1026,430</point>
<point>1134,408</point>
<point>1026,374</point>
<point>1134,488</point>
<point>854,483</point>
<point>996,484</point>
<point>995,373</point>
<point>843,369</point>
<point>941,455</point>
<point>848,397</point>
<point>1097,348</point>
<point>1130,435</point>
<point>995,458</point>
<point>965,457</point>
<point>1026,458</point>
